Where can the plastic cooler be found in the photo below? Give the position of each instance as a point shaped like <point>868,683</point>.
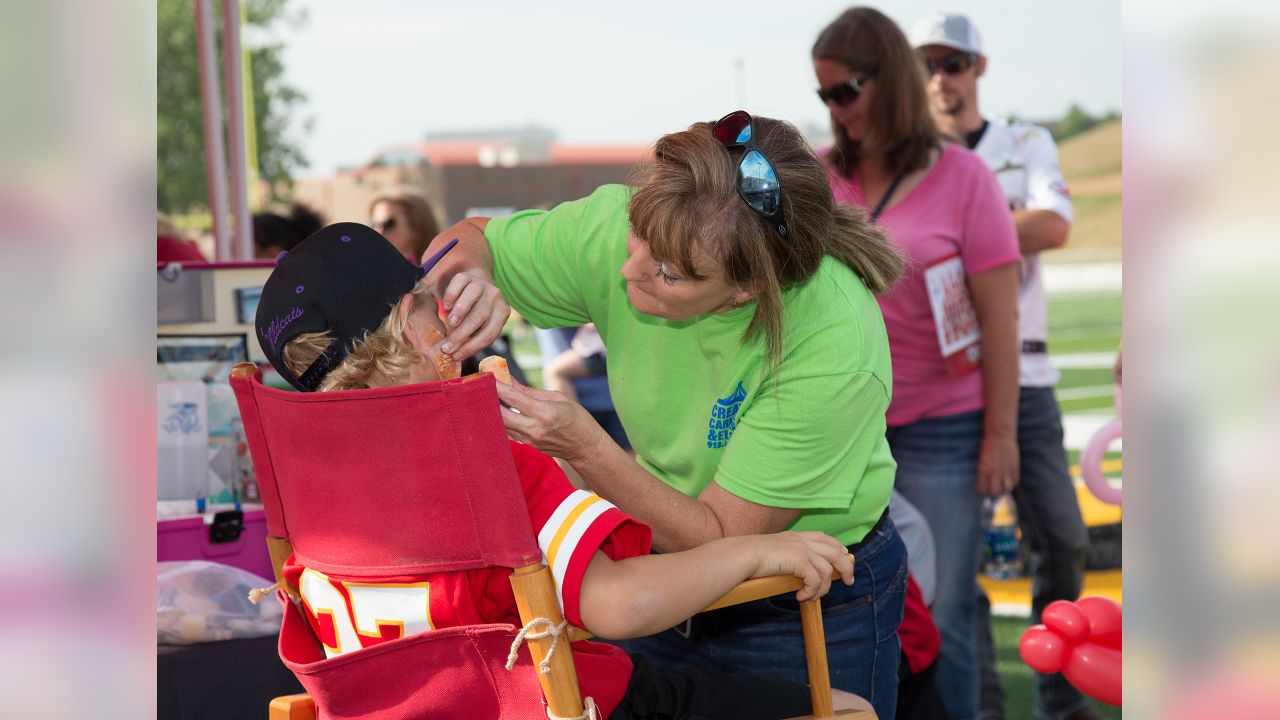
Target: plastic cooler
<point>219,536</point>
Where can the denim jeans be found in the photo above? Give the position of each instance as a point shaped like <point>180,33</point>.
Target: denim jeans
<point>861,623</point>
<point>1050,520</point>
<point>938,473</point>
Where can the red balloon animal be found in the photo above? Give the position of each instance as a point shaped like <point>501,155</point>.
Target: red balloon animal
<point>1081,640</point>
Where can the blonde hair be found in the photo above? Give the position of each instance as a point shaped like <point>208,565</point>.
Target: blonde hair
<point>380,359</point>
<point>422,219</point>
<point>688,198</point>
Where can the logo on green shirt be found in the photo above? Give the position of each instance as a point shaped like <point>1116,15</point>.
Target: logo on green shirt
<point>724,415</point>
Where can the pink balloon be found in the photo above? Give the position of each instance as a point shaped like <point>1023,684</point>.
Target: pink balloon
<point>1091,462</point>
<point>1106,624</point>
<point>1067,620</point>
<point>1043,650</point>
<point>1096,671</point>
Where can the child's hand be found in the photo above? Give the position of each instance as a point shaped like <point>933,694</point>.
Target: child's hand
<point>810,556</point>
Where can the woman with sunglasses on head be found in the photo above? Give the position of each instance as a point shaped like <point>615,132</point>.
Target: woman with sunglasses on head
<point>747,360</point>
<point>405,218</point>
<point>952,427</point>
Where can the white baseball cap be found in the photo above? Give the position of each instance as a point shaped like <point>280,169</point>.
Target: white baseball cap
<point>949,30</point>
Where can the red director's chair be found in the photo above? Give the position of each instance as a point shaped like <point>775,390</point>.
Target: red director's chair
<point>410,480</point>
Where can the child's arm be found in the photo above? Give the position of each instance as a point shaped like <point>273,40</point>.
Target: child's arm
<point>646,594</point>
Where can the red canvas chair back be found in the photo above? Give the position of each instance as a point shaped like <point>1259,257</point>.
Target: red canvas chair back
<point>396,481</point>
<point>391,481</point>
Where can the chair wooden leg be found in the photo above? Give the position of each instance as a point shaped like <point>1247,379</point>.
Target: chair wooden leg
<point>815,655</point>
<point>293,707</point>
<point>535,593</point>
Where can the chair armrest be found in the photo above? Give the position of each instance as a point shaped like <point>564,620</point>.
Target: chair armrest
<point>743,592</point>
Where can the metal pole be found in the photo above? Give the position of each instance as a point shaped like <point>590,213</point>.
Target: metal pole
<point>215,154</point>
<point>235,129</point>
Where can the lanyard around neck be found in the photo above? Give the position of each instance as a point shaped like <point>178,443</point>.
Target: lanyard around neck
<point>875,214</point>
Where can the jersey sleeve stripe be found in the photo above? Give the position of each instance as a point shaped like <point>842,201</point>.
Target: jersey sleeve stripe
<point>568,547</point>
<point>557,540</point>
<point>553,523</point>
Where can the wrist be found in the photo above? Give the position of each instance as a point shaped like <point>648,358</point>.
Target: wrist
<point>997,430</point>
<point>594,443</point>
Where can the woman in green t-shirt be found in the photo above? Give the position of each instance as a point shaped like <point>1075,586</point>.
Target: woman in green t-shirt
<point>747,359</point>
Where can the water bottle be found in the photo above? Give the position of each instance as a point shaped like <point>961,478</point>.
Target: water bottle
<point>1000,526</point>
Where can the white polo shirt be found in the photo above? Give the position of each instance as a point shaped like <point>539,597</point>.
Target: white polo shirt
<point>1025,160</point>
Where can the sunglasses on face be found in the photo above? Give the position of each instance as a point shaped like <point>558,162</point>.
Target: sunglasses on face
<point>757,180</point>
<point>386,226</point>
<point>843,93</point>
<point>949,64</point>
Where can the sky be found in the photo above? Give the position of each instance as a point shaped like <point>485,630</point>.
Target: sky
<point>380,72</point>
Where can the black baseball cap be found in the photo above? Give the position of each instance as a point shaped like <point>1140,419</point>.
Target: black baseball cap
<point>344,279</point>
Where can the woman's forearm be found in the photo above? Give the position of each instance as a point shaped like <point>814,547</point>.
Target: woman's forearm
<point>471,253</point>
<point>995,299</point>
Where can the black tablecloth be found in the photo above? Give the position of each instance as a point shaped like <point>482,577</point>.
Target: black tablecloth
<point>223,680</point>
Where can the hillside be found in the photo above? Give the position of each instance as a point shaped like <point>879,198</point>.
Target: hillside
<point>1090,162</point>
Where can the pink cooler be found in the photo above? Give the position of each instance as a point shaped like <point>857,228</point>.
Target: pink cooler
<point>190,537</point>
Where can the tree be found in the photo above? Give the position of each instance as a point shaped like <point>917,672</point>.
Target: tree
<point>182,182</point>
<point>1074,122</point>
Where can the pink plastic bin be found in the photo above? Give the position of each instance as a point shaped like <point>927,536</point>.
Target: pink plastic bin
<point>187,538</point>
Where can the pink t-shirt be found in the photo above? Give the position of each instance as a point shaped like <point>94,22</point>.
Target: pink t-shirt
<point>956,209</point>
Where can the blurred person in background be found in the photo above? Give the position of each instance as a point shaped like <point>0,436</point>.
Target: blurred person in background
<point>405,217</point>
<point>172,244</point>
<point>952,428</point>
<point>1024,159</point>
<point>274,233</point>
<point>918,697</point>
<point>583,358</point>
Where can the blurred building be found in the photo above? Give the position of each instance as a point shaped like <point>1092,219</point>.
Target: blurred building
<point>475,173</point>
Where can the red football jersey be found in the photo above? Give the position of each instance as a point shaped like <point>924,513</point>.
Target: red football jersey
<point>350,613</point>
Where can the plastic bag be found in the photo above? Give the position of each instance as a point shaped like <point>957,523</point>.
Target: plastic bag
<point>200,601</point>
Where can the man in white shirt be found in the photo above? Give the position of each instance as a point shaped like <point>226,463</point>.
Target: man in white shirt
<point>1025,161</point>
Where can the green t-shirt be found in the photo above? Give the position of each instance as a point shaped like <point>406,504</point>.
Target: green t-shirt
<point>696,401</point>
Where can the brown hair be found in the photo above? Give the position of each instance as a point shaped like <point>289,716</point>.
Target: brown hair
<point>688,198</point>
<point>901,131</point>
<point>381,359</point>
<point>422,219</point>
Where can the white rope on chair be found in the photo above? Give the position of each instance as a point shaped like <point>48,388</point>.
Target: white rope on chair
<point>256,594</point>
<point>527,632</point>
<point>553,631</point>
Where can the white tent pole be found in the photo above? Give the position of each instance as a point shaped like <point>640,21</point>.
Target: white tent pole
<point>215,154</point>
<point>234,78</point>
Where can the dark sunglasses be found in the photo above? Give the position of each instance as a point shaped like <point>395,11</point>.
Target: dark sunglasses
<point>757,179</point>
<point>386,226</point>
<point>949,64</point>
<point>843,93</point>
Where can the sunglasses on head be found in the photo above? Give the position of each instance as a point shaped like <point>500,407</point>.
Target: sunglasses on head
<point>949,64</point>
<point>386,226</point>
<point>843,93</point>
<point>757,179</point>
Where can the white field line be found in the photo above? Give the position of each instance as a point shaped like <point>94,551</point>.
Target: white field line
<point>1082,277</point>
<point>1085,391</point>
<point>1083,360</point>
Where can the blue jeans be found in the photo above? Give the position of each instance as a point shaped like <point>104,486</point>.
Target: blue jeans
<point>938,473</point>
<point>861,623</point>
<point>1049,517</point>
